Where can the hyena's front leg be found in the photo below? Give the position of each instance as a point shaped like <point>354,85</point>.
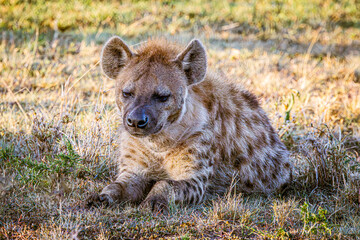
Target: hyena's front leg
<point>183,191</point>
<point>187,185</point>
<point>131,185</point>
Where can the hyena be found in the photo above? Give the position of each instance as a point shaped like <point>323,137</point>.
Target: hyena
<point>186,132</point>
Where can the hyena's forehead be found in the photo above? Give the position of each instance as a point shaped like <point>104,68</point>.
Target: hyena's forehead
<point>155,77</point>
<point>158,50</point>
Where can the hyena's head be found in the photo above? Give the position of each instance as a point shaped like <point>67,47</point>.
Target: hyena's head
<point>152,83</point>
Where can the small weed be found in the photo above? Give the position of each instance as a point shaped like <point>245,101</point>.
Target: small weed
<point>65,163</point>
<point>6,152</point>
<point>289,104</point>
<point>314,223</point>
<point>185,237</point>
<point>282,234</point>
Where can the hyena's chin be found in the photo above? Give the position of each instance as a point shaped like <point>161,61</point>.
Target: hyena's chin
<point>146,133</point>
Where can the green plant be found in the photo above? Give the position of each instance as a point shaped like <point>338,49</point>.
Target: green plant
<point>32,171</point>
<point>6,153</point>
<point>314,223</point>
<point>65,163</point>
<point>290,103</point>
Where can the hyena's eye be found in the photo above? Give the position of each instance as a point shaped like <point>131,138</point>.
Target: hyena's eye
<point>161,98</point>
<point>126,94</point>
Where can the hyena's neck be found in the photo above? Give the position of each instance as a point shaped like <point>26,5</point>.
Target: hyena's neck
<point>191,124</point>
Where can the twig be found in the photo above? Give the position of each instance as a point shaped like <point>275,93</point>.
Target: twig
<point>77,80</point>
<point>17,102</point>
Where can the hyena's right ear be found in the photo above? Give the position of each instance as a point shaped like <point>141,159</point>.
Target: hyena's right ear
<point>114,56</point>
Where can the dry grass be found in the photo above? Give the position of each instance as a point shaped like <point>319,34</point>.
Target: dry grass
<point>58,122</point>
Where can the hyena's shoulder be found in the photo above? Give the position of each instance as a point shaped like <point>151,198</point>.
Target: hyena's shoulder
<point>219,93</point>
<point>232,105</point>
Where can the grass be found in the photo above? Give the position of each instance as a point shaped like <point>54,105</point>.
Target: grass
<point>58,117</point>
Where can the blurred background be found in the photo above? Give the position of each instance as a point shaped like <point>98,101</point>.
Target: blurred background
<point>294,20</point>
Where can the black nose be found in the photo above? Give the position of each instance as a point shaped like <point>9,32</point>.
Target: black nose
<point>137,120</point>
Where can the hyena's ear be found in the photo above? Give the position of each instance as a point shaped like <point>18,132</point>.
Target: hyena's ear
<point>114,56</point>
<point>193,61</point>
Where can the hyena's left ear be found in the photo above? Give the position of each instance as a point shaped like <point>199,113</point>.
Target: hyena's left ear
<point>114,56</point>
<point>193,61</point>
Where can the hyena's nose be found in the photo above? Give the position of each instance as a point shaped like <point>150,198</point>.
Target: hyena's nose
<point>137,120</point>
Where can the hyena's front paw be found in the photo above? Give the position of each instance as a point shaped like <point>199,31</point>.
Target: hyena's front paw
<point>97,200</point>
<point>157,204</point>
<point>108,196</point>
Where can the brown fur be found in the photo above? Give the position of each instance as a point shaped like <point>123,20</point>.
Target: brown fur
<point>208,131</point>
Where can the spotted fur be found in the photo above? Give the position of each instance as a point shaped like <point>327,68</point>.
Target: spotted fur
<point>211,130</point>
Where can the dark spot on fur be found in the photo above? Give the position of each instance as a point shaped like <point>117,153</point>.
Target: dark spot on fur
<point>223,154</point>
<point>213,148</point>
<point>211,162</point>
<point>275,159</point>
<point>255,119</point>
<point>194,186</point>
<point>209,104</point>
<point>132,151</point>
<point>240,160</point>
<point>250,150</point>
<point>204,178</point>
<point>128,156</point>
<point>201,191</point>
<point>234,92</point>
<point>237,100</point>
<point>203,155</point>
<point>173,183</point>
<point>192,199</point>
<point>172,166</point>
<point>273,139</point>
<point>199,166</point>
<point>224,130</point>
<point>258,169</point>
<point>204,142</point>
<point>248,123</point>
<point>186,192</point>
<point>188,185</point>
<point>223,114</point>
<point>264,180</point>
<point>239,125</point>
<point>287,165</point>
<point>274,175</point>
<point>172,118</point>
<point>263,139</point>
<point>249,184</point>
<point>251,100</point>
